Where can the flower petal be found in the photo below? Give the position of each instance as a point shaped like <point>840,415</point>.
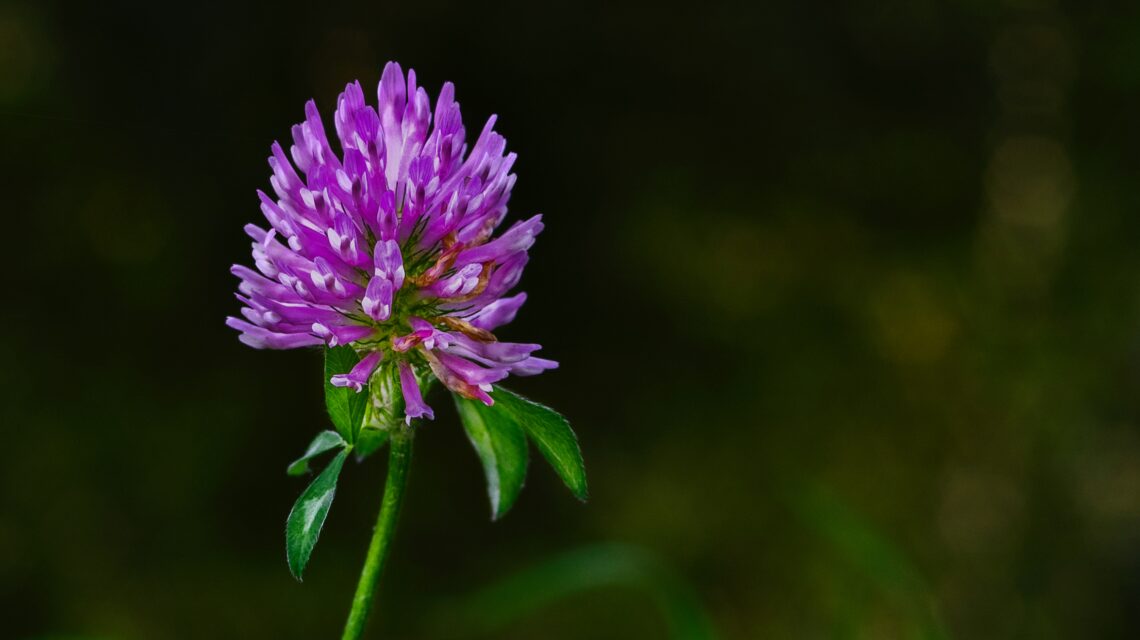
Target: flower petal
<point>414,406</point>
<point>358,377</point>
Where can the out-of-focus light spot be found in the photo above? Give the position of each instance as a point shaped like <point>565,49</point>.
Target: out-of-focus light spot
<point>979,511</point>
<point>1109,478</point>
<point>1029,181</point>
<point>911,323</point>
<point>1029,186</point>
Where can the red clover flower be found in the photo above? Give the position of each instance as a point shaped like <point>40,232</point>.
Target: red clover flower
<point>386,254</point>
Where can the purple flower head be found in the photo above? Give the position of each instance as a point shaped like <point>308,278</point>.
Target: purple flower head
<point>383,239</point>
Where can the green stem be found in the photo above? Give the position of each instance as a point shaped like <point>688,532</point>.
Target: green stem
<point>399,460</point>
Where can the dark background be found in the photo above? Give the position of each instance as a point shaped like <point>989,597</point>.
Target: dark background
<point>845,297</point>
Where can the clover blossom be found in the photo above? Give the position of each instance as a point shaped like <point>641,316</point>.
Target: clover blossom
<point>388,246</point>
<point>386,253</point>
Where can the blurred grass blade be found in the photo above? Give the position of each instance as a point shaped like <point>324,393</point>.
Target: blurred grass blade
<point>491,609</point>
<point>501,445</point>
<point>324,441</point>
<point>552,435</point>
<point>882,562</point>
<point>345,406</point>
<point>303,526</point>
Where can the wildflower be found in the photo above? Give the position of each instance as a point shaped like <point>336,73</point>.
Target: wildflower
<point>388,246</point>
<point>386,253</point>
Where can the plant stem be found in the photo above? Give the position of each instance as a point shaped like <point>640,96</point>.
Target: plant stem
<point>399,460</point>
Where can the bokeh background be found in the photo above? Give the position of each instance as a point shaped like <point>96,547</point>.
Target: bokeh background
<point>845,296</point>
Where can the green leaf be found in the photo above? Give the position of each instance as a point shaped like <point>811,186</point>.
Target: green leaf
<point>488,612</point>
<point>324,441</point>
<point>345,405</point>
<point>552,435</point>
<point>303,526</point>
<point>369,441</point>
<point>501,445</point>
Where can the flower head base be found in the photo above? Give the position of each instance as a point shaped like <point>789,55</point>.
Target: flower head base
<point>389,246</point>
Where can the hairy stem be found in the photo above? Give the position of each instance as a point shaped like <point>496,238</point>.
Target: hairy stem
<point>399,460</point>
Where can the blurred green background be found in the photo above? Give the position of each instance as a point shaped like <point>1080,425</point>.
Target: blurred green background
<point>845,296</point>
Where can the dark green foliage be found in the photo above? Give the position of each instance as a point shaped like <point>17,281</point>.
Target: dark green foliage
<point>501,445</point>
<point>307,517</point>
<point>345,405</point>
<point>499,434</point>
<point>324,441</point>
